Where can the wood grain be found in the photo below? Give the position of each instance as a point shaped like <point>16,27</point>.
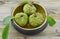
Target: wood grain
<point>52,8</point>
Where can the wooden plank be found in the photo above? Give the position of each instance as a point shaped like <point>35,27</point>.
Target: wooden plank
<point>6,9</point>
<point>43,37</point>
<point>53,7</point>
<point>34,0</point>
<point>55,16</point>
<point>13,37</point>
<point>51,0</point>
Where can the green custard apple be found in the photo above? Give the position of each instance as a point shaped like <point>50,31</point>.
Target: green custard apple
<point>36,19</point>
<point>29,9</point>
<point>21,19</point>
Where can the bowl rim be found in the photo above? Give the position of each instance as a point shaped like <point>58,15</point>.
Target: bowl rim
<point>32,28</point>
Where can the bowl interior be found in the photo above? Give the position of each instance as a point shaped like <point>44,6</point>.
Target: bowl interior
<point>39,9</point>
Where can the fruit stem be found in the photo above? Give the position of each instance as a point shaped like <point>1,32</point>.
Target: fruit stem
<point>35,15</point>
<point>21,15</point>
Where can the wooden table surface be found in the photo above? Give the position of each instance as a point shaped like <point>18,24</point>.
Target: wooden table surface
<point>52,8</point>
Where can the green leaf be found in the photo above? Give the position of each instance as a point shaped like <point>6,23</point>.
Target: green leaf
<point>7,19</point>
<point>51,21</point>
<point>23,2</point>
<point>5,32</point>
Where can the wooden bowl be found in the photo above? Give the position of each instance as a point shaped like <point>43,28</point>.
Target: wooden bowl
<point>31,31</point>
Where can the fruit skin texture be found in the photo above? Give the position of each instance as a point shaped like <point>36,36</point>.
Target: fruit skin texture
<point>29,9</point>
<point>36,19</point>
<point>21,19</point>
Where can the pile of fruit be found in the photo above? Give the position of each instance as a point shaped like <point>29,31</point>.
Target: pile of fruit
<point>29,16</point>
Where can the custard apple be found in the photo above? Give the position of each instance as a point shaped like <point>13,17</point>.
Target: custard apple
<point>36,19</point>
<point>29,9</point>
<point>21,19</point>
